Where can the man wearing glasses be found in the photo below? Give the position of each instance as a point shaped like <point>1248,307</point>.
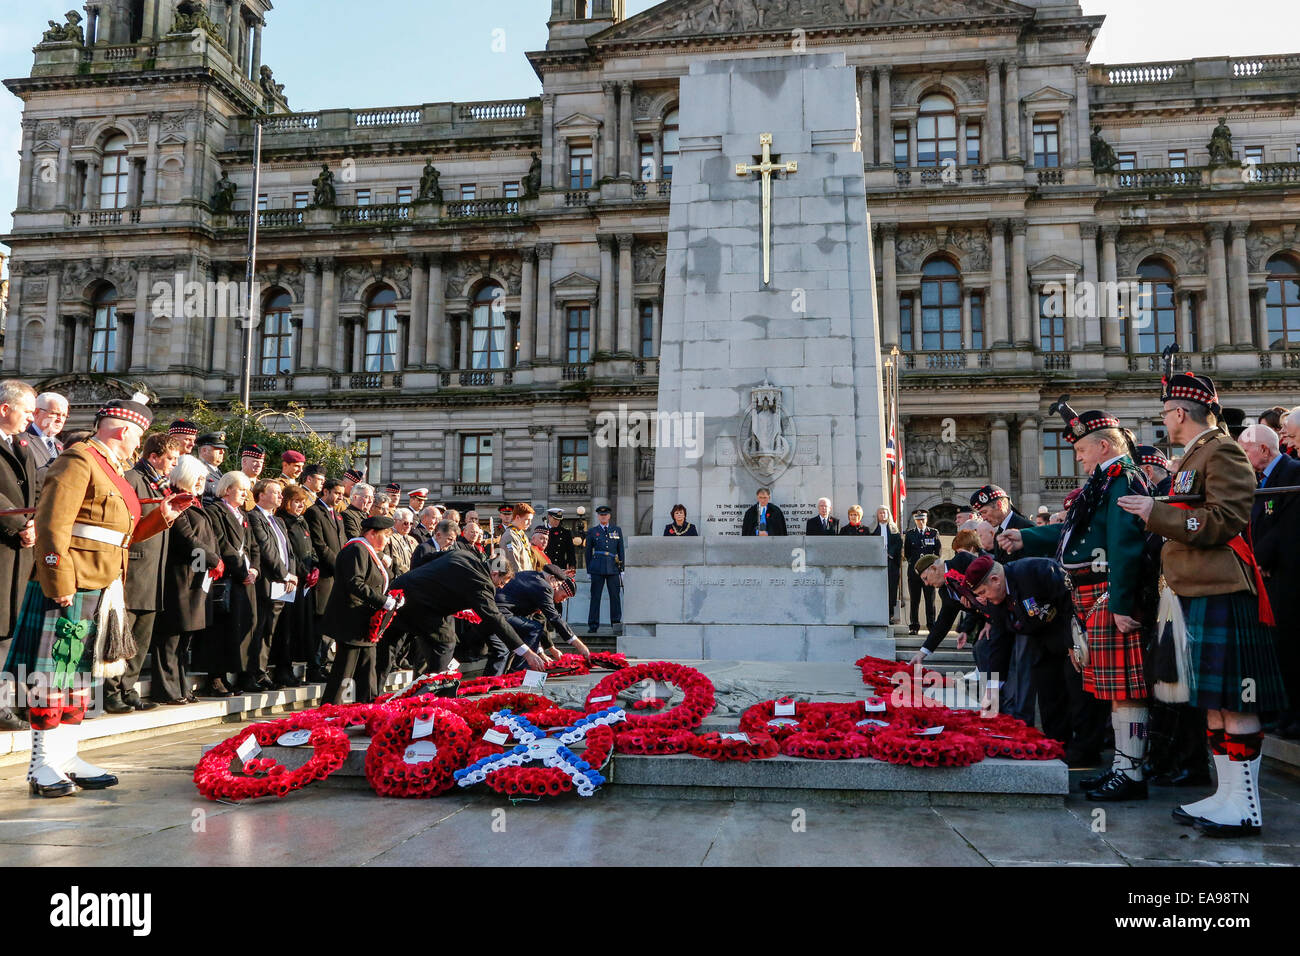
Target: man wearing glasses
<point>48,419</point>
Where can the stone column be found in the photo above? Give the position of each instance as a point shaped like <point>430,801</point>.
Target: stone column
<point>608,134</point>
<point>13,337</point>
<point>912,153</point>
<point>1184,326</point>
<point>193,125</point>
<point>550,162</point>
<point>965,319</point>
<point>884,117</point>
<point>961,141</point>
<point>1020,283</point>
<point>995,111</point>
<point>541,487</point>
<point>603,340</point>
<point>528,307</point>
<point>865,115</point>
<point>1259,303</point>
<point>999,329</point>
<point>27,165</point>
<point>255,66</point>
<point>1029,466</point>
<point>466,333</point>
<point>81,342</point>
<point>889,284</point>
<point>626,135</point>
<point>134,175</point>
<point>1218,293</point>
<point>151,163</point>
<point>625,506</point>
<point>1000,454</point>
<point>418,328</point>
<point>1013,112</point>
<point>1088,239</point>
<point>625,294</point>
<point>1082,117</point>
<point>65,180</point>
<point>221,332</point>
<point>329,346</point>
<point>232,33</point>
<point>656,323</point>
<point>310,314</point>
<point>53,333</point>
<point>659,156</point>
<point>437,334</point>
<point>1240,287</point>
<point>544,304</point>
<point>599,470</point>
<point>90,185</point>
<point>1110,324</point>
<point>357,330</point>
<point>139,359</point>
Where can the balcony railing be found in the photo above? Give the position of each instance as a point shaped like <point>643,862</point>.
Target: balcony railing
<point>576,489</point>
<point>579,198</point>
<point>103,217</point>
<point>290,122</point>
<point>1178,178</point>
<point>1273,173</point>
<point>383,212</point>
<point>947,361</point>
<point>1255,65</point>
<point>1056,361</point>
<point>1281,358</point>
<point>479,377</point>
<point>1051,177</point>
<point>480,208</point>
<point>270,218</point>
<point>409,116</point>
<point>513,109</point>
<point>1146,73</point>
<point>471,489</point>
<point>120,53</point>
<point>374,380</point>
<point>1183,362</point>
<point>574,373</point>
<point>941,175</point>
<point>1061,482</point>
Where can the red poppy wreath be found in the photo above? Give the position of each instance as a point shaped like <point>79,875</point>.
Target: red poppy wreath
<point>400,765</point>
<point>261,776</point>
<point>689,714</point>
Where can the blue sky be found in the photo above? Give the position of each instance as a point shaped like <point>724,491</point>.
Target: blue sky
<point>400,52</point>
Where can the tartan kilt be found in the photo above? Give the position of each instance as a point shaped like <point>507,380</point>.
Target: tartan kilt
<point>1227,645</point>
<point>32,648</point>
<point>1114,670</point>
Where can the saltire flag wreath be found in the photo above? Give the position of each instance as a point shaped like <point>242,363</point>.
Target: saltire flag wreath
<point>424,743</point>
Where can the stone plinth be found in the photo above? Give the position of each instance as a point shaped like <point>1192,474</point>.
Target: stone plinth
<point>757,599</point>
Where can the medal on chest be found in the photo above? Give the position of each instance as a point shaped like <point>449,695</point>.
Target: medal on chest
<point>1183,482</point>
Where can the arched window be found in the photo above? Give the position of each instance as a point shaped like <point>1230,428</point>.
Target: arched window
<point>103,335</point>
<point>936,131</point>
<point>487,344</point>
<point>940,306</point>
<point>277,334</point>
<point>672,144</point>
<point>1283,302</point>
<point>114,174</point>
<point>381,332</point>
<point>1156,319</point>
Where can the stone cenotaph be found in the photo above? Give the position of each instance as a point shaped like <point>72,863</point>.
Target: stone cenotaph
<point>770,342</point>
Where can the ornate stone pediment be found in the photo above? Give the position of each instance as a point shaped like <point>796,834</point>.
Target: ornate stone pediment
<point>83,389</point>
<point>684,18</point>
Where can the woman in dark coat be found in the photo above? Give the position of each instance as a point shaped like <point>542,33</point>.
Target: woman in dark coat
<point>680,527</point>
<point>855,525</point>
<point>234,617</point>
<point>292,640</point>
<point>185,607</point>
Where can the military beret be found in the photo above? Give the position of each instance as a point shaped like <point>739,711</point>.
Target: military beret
<point>291,456</point>
<point>924,562</point>
<point>979,569</point>
<point>604,510</point>
<point>986,494</point>
<point>376,523</point>
<point>135,411</point>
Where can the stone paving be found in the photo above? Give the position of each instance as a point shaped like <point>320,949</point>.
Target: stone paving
<point>156,818</point>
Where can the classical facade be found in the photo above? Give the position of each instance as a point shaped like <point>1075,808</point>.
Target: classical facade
<point>467,287</point>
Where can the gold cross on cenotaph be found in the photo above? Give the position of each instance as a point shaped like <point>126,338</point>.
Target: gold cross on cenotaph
<point>766,168</point>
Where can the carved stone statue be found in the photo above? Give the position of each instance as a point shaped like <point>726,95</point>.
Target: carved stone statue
<point>324,197</point>
<point>63,32</point>
<point>223,198</point>
<point>1103,155</point>
<point>764,448</point>
<point>430,191</point>
<point>1220,146</point>
<point>533,182</point>
<point>191,16</point>
<point>272,89</point>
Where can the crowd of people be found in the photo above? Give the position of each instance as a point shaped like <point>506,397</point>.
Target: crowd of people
<point>1152,606</point>
<point>123,548</point>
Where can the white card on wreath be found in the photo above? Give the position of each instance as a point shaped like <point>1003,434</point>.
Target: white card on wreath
<point>534,678</point>
<point>423,727</point>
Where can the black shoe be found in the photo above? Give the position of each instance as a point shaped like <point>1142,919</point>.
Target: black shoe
<point>116,705</point>
<point>1117,788</point>
<point>60,789</point>
<point>1183,778</point>
<point>913,629</point>
<point>98,782</point>
<point>11,721</point>
<point>1223,830</point>
<point>1184,818</point>
<point>176,702</point>
<point>247,685</point>
<point>283,677</point>
<point>216,688</point>
<point>317,675</point>
<point>1095,781</point>
<point>139,703</point>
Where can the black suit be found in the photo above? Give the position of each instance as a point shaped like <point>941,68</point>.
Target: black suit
<point>1015,521</point>
<point>775,522</point>
<point>815,525</point>
<point>326,529</point>
<point>18,489</point>
<point>352,519</point>
<point>360,589</point>
<point>143,591</point>
<point>185,610</point>
<point>915,544</point>
<point>274,567</point>
<point>41,453</point>
<point>453,581</point>
<point>231,624</point>
<point>1275,533</point>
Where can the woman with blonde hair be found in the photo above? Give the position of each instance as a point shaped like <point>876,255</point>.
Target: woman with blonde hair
<point>855,525</point>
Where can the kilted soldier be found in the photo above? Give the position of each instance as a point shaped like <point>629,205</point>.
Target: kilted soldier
<point>71,628</point>
<point>1232,664</point>
<point>1103,549</point>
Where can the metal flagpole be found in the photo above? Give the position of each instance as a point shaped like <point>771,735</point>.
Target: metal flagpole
<point>252,305</point>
